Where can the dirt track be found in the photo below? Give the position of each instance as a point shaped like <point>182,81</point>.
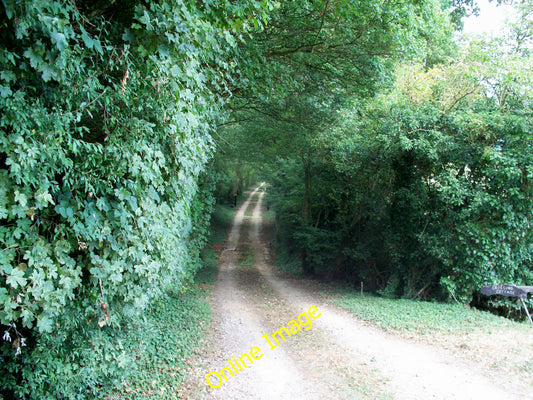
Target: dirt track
<point>339,357</point>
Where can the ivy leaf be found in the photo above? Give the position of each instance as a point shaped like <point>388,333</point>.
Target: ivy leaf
<point>16,278</point>
<point>89,42</point>
<point>4,296</point>
<point>8,76</point>
<point>27,317</point>
<point>44,198</point>
<point>5,91</point>
<point>128,36</point>
<point>49,72</point>
<point>35,58</point>
<point>59,40</point>
<point>44,324</point>
<point>21,198</point>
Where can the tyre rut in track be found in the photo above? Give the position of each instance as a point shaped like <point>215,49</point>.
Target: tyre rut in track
<point>306,366</point>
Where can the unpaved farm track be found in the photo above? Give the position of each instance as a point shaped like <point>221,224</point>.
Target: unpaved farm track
<point>340,357</point>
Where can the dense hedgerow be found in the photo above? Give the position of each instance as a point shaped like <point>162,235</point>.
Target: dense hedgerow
<point>107,114</point>
<point>422,192</point>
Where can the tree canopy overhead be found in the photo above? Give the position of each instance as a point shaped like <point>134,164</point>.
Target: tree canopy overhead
<point>396,156</point>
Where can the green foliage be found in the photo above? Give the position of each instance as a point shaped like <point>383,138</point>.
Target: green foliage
<point>308,61</point>
<point>107,114</point>
<point>421,190</point>
<point>165,344</point>
<point>418,199</point>
<point>146,359</point>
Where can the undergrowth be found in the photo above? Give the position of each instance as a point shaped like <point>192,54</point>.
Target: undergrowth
<point>220,222</point>
<point>172,334</point>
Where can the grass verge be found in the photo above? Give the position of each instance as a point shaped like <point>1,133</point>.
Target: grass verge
<point>501,346</point>
<point>401,315</point>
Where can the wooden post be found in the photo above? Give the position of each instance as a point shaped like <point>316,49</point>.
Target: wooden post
<point>361,288</point>
<point>527,311</point>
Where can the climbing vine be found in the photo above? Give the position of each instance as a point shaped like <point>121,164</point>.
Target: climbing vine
<point>107,114</point>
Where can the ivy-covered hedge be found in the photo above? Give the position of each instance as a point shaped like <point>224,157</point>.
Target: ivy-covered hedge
<point>107,113</point>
